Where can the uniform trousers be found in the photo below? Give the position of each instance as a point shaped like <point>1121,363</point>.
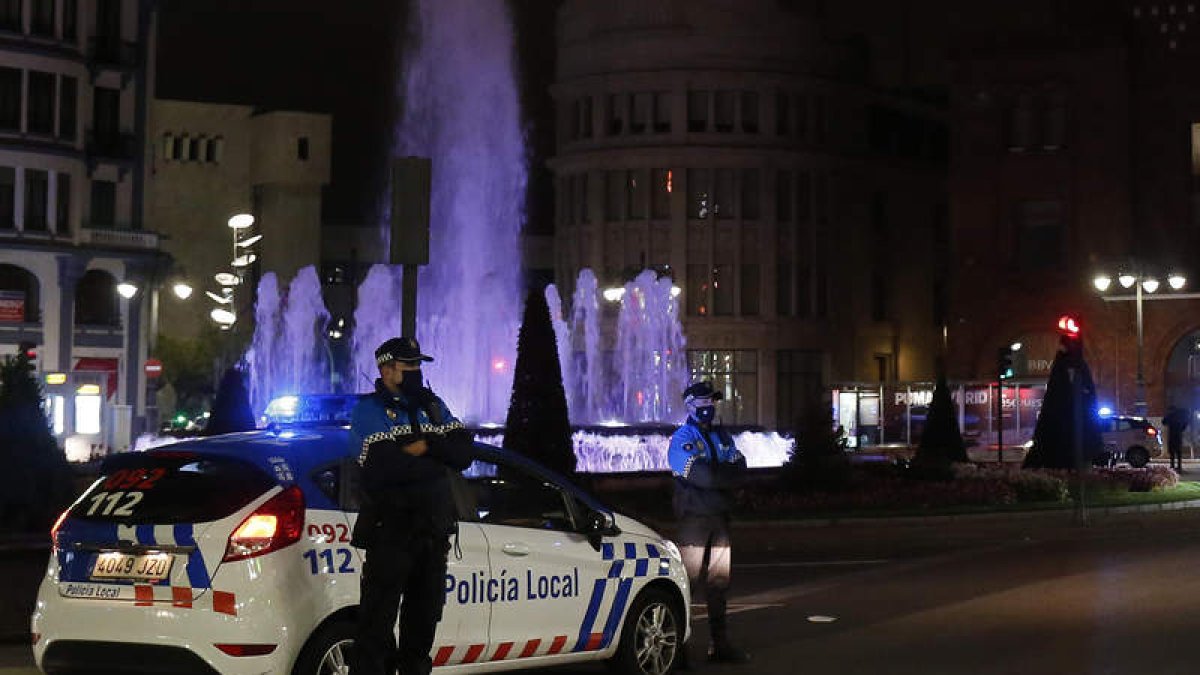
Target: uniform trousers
<point>707,556</point>
<point>415,571</point>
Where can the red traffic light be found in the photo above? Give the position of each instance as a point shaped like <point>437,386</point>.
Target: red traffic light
<point>1068,326</point>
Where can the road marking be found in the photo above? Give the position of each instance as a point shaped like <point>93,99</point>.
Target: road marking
<point>814,563</point>
<point>700,612</point>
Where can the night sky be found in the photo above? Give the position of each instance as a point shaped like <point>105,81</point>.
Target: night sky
<point>338,58</point>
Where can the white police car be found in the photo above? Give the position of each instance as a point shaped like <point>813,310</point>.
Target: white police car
<point>231,555</point>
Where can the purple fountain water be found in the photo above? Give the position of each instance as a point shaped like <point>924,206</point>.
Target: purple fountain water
<point>375,320</point>
<point>588,397</point>
<point>265,351</point>
<point>305,318</point>
<point>460,108</point>
<point>650,357</point>
<point>562,335</point>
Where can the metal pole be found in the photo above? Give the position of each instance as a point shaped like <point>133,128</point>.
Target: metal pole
<point>1000,421</point>
<point>408,316</point>
<point>1139,406</point>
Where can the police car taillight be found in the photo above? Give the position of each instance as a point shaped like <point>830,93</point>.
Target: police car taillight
<point>277,523</point>
<point>57,525</point>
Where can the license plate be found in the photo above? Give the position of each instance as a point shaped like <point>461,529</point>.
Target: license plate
<point>138,566</point>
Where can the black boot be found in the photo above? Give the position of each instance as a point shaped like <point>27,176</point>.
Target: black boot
<point>720,650</point>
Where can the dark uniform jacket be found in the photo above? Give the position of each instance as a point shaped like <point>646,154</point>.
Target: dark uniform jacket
<point>406,497</point>
<point>707,467</point>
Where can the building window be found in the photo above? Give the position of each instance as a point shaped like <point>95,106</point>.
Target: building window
<point>698,192</point>
<point>734,373</point>
<point>783,114</point>
<point>750,112</point>
<point>40,113</point>
<point>177,147</point>
<point>1055,125</point>
<point>639,121</point>
<point>783,196</point>
<point>722,283</point>
<point>801,106</point>
<point>581,198</point>
<point>96,302</point>
<point>63,206</point>
<point>883,368</point>
<point>723,204</point>
<point>302,148</point>
<point>10,99</point>
<point>660,197</point>
<point>804,197</point>
<point>635,195</point>
<point>662,112</point>
<point>104,203</point>
<point>67,104</point>
<point>751,289</point>
<point>750,194</point>
<point>799,385</point>
<point>42,21</point>
<point>37,193</point>
<point>212,149</point>
<point>70,21</point>
<point>699,279</point>
<point>724,104</point>
<point>697,110</point>
<point>1039,234</point>
<point>615,115</point>
<point>106,113</point>
<point>8,197</point>
<point>783,285</point>
<point>10,15</point>
<point>193,149</point>
<point>614,186</point>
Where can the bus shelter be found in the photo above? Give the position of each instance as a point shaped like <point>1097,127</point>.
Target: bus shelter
<point>894,414</point>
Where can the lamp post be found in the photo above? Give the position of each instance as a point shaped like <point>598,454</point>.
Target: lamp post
<point>1144,286</point>
<point>226,311</point>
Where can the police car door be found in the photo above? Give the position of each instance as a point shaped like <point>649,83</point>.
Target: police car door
<point>544,570</point>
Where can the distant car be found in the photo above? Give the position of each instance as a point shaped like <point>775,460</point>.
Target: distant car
<point>1131,439</point>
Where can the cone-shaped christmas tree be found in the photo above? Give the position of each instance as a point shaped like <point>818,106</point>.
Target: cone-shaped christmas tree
<point>538,425</point>
<point>1068,411</point>
<point>941,441</point>
<point>231,409</point>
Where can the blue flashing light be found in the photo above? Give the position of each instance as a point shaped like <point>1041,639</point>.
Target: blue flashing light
<point>1104,411</point>
<point>317,409</point>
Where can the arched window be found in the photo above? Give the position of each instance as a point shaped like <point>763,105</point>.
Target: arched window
<point>96,300</point>
<point>19,298</point>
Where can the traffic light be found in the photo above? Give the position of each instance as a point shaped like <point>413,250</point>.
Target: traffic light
<point>1004,363</point>
<point>28,350</point>
<point>1070,336</point>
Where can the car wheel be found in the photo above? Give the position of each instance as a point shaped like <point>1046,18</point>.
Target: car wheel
<point>1137,456</point>
<point>652,637</point>
<point>327,652</point>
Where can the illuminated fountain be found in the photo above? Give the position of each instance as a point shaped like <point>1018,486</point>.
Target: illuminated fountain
<point>289,352</point>
<point>461,109</point>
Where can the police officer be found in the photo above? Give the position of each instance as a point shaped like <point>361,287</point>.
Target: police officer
<point>707,466</point>
<point>407,442</point>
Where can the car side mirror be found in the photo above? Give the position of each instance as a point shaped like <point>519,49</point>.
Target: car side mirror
<point>599,525</point>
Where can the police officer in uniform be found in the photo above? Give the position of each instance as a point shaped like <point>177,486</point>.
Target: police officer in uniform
<point>706,466</point>
<point>407,443</point>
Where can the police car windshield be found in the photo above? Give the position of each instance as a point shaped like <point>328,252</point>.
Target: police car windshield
<point>170,487</point>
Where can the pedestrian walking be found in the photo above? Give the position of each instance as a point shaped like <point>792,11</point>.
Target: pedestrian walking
<point>706,466</point>
<point>1176,420</point>
<point>408,443</point>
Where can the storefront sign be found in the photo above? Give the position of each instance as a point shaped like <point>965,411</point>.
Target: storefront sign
<point>12,307</point>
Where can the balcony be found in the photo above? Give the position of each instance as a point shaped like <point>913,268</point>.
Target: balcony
<point>111,237</point>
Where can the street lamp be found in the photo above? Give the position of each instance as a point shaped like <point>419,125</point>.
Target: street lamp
<point>1144,286</point>
<point>225,313</point>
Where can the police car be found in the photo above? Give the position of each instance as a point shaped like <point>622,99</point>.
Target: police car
<point>231,554</point>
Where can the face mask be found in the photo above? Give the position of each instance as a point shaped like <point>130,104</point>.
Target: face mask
<point>412,383</point>
<point>706,413</point>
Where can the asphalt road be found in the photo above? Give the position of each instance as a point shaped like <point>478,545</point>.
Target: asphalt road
<point>1006,595</point>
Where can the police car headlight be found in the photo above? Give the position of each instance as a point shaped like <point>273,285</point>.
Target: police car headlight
<point>672,550</point>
